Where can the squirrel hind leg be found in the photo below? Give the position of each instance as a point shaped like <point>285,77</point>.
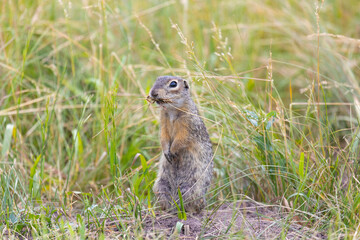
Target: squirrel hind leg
<point>166,203</point>
<point>163,202</point>
<point>195,205</point>
<point>194,200</point>
<point>162,190</point>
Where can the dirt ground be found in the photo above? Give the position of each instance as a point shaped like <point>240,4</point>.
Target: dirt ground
<point>245,220</point>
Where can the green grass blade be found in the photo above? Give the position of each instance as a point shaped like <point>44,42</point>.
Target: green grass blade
<point>9,132</point>
<point>301,166</point>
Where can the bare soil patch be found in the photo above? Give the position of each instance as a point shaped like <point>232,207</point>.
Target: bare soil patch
<point>245,220</point>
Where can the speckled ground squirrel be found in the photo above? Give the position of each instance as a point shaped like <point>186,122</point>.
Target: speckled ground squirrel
<point>187,160</point>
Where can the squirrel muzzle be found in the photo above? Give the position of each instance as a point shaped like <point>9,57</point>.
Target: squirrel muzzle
<point>156,95</point>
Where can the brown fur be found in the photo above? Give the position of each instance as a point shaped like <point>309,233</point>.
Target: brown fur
<point>186,163</point>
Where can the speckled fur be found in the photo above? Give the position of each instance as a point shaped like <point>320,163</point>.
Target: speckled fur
<point>187,159</point>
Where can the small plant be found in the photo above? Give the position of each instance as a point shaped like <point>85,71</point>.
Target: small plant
<point>180,209</point>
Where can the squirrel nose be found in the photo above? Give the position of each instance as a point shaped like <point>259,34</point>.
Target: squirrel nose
<point>154,94</point>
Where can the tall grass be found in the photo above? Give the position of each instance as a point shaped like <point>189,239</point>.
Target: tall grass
<point>276,82</point>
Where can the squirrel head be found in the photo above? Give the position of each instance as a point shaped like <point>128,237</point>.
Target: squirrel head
<point>170,91</point>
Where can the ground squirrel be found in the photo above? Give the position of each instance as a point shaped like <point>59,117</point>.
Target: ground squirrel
<point>187,159</point>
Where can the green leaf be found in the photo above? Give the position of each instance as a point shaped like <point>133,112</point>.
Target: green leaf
<point>252,117</point>
<point>178,227</point>
<point>33,171</point>
<point>13,218</point>
<point>9,131</point>
<point>143,163</point>
<point>356,203</point>
<point>183,213</point>
<point>301,166</point>
<point>250,84</point>
<point>78,146</point>
<point>355,144</point>
<point>178,208</point>
<point>137,181</point>
<point>271,119</point>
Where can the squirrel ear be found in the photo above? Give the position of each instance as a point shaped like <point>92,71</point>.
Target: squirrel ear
<point>186,84</point>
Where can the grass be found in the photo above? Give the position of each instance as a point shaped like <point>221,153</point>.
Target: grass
<point>276,82</point>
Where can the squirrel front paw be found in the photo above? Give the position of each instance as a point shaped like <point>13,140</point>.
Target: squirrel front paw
<point>170,157</point>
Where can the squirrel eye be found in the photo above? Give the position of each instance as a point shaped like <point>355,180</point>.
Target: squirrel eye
<point>173,84</point>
